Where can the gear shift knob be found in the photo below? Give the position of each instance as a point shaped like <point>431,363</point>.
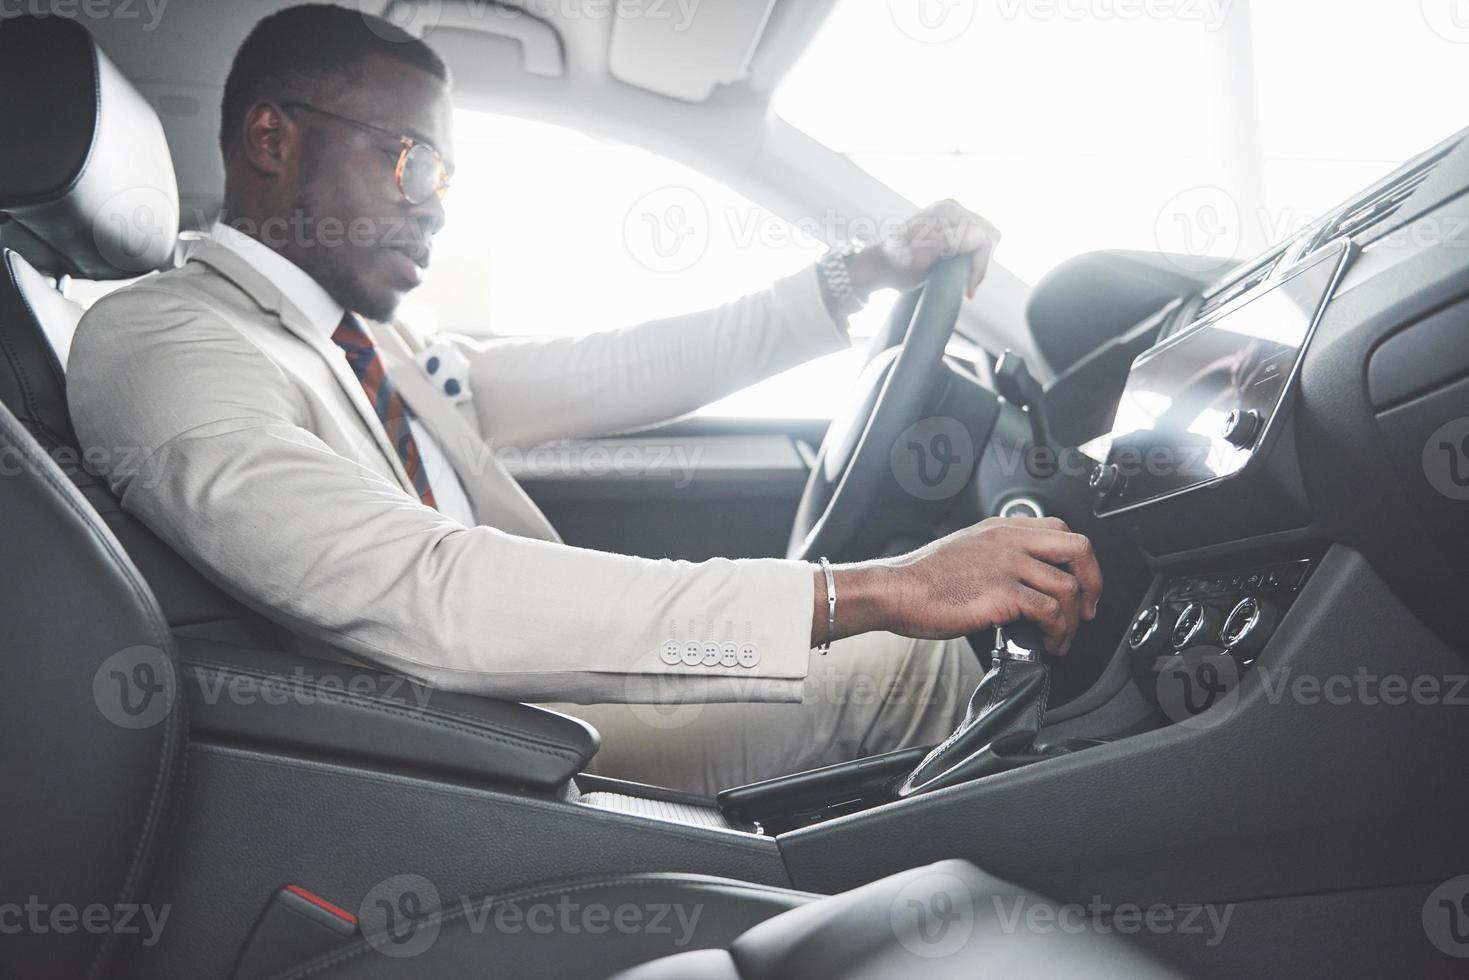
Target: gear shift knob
<point>1020,640</point>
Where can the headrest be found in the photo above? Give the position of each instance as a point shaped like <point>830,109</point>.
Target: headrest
<point>84,166</point>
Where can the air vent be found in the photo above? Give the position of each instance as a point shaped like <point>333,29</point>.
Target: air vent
<point>1375,208</point>
<point>1242,283</point>
<point>1361,215</point>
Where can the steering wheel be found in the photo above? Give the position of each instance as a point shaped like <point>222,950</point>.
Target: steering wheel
<point>893,392</point>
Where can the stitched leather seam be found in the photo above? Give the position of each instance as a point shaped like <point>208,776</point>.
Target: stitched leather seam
<point>362,945</point>
<point>405,713</point>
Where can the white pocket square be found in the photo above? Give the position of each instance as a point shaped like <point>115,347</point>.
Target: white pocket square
<point>448,369</point>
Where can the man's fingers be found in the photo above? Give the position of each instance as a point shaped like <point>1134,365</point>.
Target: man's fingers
<point>1057,583</point>
<point>1073,552</point>
<point>1048,613</point>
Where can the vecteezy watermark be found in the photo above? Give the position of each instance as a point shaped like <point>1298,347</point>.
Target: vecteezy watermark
<point>932,21</point>
<point>135,687</point>
<point>1446,917</point>
<point>300,231</point>
<point>1017,913</point>
<point>1198,691</point>
<point>418,18</point>
<point>933,458</point>
<point>670,229</point>
<point>1200,229</point>
<point>675,461</point>
<point>1201,689</point>
<point>933,915</point>
<point>1363,687</point>
<point>1446,459</point>
<point>1449,19</point>
<point>302,689</point>
<point>667,230</point>
<point>140,465</point>
<point>1210,14</point>
<point>37,917</point>
<point>1160,461</point>
<point>402,916</point>
<point>150,12</point>
<point>135,228</point>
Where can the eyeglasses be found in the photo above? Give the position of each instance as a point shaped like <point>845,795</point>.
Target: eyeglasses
<point>420,171</point>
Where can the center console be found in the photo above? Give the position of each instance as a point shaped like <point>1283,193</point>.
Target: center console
<point>1198,633</point>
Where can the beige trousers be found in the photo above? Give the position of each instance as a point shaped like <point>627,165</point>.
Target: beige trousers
<point>872,693</point>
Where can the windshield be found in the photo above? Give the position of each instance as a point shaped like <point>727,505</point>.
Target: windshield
<point>1202,127</point>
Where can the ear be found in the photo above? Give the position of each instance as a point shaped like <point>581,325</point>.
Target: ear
<point>271,141</point>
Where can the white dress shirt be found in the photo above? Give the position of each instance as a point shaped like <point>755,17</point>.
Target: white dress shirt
<point>325,313</point>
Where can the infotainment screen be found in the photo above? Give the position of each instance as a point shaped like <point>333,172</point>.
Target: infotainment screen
<point>1198,406</point>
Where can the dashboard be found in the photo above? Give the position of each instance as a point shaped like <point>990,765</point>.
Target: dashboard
<point>1237,429</point>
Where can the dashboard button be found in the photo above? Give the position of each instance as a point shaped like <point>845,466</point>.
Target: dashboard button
<point>1242,428</point>
<point>1106,478</point>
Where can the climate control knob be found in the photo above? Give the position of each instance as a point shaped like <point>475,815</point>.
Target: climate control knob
<point>1150,630</point>
<point>1198,623</point>
<point>1247,627</point>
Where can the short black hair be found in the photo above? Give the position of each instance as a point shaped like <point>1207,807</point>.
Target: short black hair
<point>299,51</point>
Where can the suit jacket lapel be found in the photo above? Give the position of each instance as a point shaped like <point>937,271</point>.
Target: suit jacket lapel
<point>269,298</point>
<point>498,500</point>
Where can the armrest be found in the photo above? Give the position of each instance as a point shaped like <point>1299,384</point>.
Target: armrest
<point>274,699</point>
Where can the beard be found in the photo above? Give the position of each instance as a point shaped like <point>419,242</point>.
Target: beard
<point>326,251</point>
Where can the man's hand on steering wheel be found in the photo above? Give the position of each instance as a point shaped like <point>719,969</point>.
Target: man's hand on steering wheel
<point>903,259</point>
<point>996,572</point>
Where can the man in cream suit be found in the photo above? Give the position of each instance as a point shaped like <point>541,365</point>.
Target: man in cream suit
<point>327,465</point>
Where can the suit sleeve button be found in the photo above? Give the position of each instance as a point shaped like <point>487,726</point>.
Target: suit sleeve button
<point>749,655</point>
<point>711,655</point>
<point>729,654</point>
<point>693,652</point>
<point>671,652</point>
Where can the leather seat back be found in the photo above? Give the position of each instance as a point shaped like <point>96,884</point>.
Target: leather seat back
<point>90,191</point>
<point>91,732</point>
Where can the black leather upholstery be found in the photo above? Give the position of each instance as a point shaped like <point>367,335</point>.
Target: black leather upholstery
<point>84,166</point>
<point>323,709</point>
<point>947,921</point>
<point>91,730</point>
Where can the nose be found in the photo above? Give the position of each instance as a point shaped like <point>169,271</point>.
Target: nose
<point>431,215</point>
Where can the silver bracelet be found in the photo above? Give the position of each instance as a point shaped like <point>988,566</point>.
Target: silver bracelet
<point>838,279</point>
<point>831,607</point>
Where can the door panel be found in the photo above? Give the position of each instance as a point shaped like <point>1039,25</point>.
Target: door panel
<point>693,489</point>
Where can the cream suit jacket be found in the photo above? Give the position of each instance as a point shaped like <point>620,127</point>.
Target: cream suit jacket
<point>266,467</point>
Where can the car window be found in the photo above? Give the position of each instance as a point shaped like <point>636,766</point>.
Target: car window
<point>555,232</point>
<point>1199,127</point>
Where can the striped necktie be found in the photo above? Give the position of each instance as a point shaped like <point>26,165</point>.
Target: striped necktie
<point>362,354</point>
